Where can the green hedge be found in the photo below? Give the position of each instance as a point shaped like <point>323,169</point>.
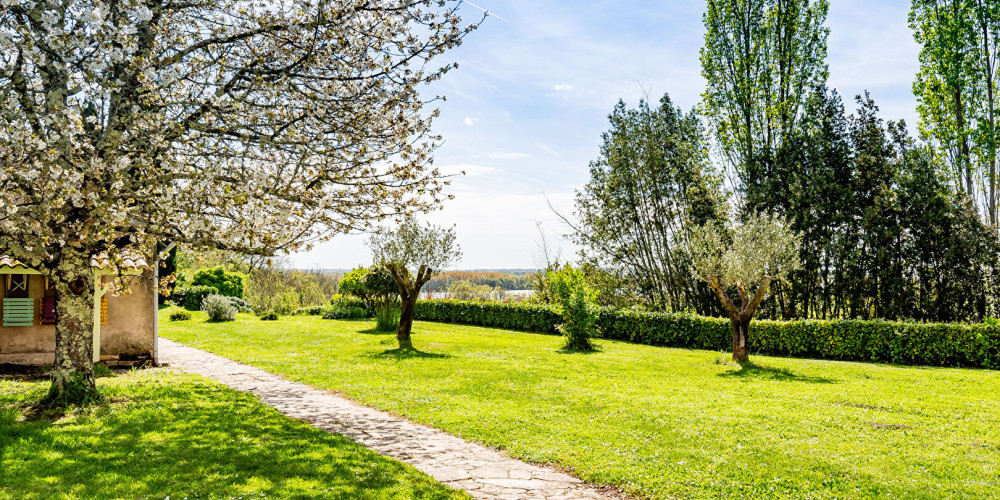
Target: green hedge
<point>924,344</point>
<point>529,318</point>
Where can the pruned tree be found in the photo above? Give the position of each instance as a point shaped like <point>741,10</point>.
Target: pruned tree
<point>413,253</point>
<point>254,127</point>
<point>750,256</point>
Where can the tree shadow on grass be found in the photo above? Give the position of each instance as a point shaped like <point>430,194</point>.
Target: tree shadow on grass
<point>751,370</point>
<point>189,438</point>
<point>401,354</point>
<point>593,350</point>
<point>376,331</point>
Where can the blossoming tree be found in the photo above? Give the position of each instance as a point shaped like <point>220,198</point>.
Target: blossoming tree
<point>247,125</point>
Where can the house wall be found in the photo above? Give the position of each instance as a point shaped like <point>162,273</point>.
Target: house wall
<point>28,339</point>
<point>131,319</point>
<point>130,329</point>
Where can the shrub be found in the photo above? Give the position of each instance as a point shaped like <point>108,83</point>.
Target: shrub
<point>180,316</point>
<point>218,308</point>
<point>240,304</point>
<point>575,301</point>
<point>310,311</point>
<point>387,318</point>
<point>287,302</point>
<point>102,371</point>
<point>928,344</point>
<point>227,283</point>
<point>344,311</point>
<point>269,316</point>
<point>195,295</point>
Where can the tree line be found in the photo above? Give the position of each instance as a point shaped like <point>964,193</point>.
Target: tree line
<point>891,226</point>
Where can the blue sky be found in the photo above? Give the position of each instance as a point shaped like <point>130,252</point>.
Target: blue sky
<point>526,107</point>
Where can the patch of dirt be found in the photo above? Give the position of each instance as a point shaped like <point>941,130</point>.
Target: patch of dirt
<point>863,406</point>
<point>888,427</point>
<point>22,372</point>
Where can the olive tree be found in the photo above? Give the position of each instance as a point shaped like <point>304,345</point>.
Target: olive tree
<point>750,256</point>
<point>244,125</point>
<point>413,253</point>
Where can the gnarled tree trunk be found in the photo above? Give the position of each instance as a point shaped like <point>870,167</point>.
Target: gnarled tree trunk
<point>408,293</point>
<point>740,317</point>
<point>73,368</point>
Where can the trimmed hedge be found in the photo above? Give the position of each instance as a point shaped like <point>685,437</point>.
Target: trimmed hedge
<point>529,318</point>
<point>923,344</point>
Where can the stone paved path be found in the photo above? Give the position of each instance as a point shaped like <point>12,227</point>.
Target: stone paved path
<point>482,472</point>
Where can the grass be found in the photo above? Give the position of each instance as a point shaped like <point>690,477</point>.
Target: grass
<point>661,423</point>
<point>181,436</point>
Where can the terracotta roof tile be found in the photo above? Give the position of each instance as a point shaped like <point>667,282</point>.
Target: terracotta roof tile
<point>131,261</point>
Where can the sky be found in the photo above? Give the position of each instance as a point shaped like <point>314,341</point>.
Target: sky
<point>526,107</point>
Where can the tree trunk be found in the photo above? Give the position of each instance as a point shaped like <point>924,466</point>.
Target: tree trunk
<point>408,294</point>
<point>741,330</point>
<point>407,305</point>
<point>73,369</point>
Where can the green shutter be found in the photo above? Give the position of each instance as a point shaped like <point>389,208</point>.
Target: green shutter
<point>18,312</point>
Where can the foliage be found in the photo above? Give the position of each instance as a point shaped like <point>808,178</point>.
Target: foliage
<point>191,298</point>
<point>221,441</point>
<point>241,305</point>
<point>277,287</point>
<point>412,245</point>
<point>652,181</point>
<point>883,234</point>
<point>218,308</point>
<point>344,310</point>
<point>760,247</point>
<point>387,318</point>
<point>956,90</point>
<point>180,316</point>
<point>760,59</point>
<point>576,303</point>
<point>821,429</point>
<point>524,317</point>
<point>227,283</point>
<point>503,280</point>
<point>269,316</point>
<point>468,290</point>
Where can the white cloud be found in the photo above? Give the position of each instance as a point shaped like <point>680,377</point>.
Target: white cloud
<point>470,121</point>
<point>562,87</point>
<point>467,169</point>
<point>547,149</point>
<point>510,156</point>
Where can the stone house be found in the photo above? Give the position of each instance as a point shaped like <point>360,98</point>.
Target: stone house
<point>125,327</point>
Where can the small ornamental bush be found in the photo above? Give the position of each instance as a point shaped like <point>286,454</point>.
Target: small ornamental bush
<point>387,318</point>
<point>310,311</point>
<point>195,295</point>
<point>180,316</point>
<point>218,308</point>
<point>241,305</point>
<point>577,304</point>
<point>269,316</point>
<point>344,311</point>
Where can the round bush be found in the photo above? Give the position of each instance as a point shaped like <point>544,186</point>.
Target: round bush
<point>269,316</point>
<point>180,316</point>
<point>218,308</point>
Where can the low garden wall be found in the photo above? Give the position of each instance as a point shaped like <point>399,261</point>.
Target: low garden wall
<point>923,344</point>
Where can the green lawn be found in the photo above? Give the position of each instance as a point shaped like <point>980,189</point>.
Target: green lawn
<point>183,436</point>
<point>659,422</point>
